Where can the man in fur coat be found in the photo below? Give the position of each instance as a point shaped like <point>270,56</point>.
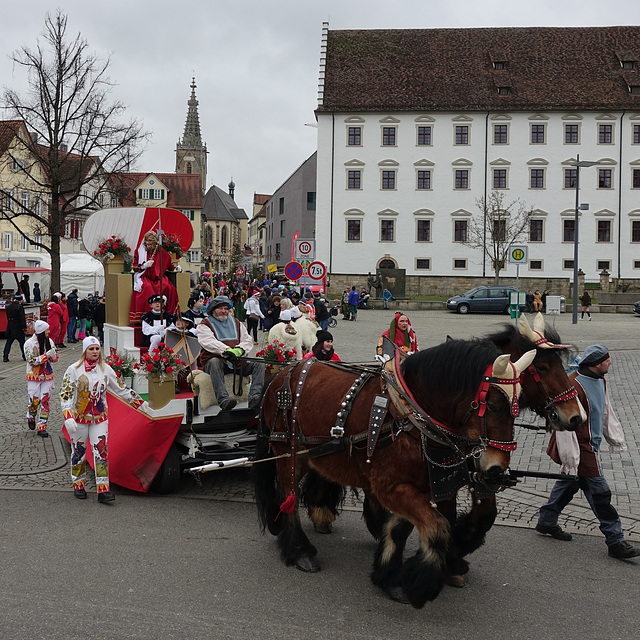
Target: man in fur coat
<point>578,453</point>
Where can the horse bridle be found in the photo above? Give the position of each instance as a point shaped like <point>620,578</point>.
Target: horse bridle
<point>549,408</point>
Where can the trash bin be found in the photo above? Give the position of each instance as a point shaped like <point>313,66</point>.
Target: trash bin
<point>554,305</point>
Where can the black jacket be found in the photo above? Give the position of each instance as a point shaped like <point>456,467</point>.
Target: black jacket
<point>322,313</point>
<point>16,321</point>
<point>72,304</point>
<point>84,308</point>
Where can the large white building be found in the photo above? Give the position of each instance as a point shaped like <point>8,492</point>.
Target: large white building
<point>414,126</point>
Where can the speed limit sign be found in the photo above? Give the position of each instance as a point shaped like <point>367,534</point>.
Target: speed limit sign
<point>317,271</point>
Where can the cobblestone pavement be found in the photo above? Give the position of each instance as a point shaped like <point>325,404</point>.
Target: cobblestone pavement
<point>29,462</point>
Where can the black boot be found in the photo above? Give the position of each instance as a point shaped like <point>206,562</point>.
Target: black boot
<point>106,497</point>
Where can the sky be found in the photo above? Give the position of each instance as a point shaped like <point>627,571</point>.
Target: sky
<point>255,63</point>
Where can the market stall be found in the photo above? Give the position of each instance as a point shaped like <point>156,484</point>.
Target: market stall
<point>31,310</point>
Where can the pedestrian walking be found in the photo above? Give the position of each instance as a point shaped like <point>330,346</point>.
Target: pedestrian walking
<point>64,324</point>
<point>84,314</point>
<point>254,315</point>
<point>25,289</point>
<point>585,301</point>
<point>83,396</point>
<point>37,295</point>
<point>354,299</point>
<point>16,326</point>
<point>578,453</point>
<point>72,308</point>
<point>40,351</point>
<point>54,317</point>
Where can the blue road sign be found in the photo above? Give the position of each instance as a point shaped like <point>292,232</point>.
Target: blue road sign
<point>293,271</point>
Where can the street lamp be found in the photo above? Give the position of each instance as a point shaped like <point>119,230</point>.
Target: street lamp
<point>577,164</point>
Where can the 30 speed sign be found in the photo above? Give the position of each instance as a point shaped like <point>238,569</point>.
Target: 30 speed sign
<point>316,271</point>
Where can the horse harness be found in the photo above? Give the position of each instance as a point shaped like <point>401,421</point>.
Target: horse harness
<point>549,409</point>
<point>445,451</point>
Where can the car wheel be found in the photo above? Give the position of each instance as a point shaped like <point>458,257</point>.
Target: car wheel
<point>463,308</point>
<point>168,475</point>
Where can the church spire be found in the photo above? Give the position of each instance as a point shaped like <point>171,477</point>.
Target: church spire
<point>191,152</point>
<point>191,136</point>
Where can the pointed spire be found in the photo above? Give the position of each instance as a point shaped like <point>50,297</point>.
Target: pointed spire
<point>191,136</point>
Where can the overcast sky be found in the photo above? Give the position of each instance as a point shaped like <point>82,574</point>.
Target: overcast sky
<point>255,63</point>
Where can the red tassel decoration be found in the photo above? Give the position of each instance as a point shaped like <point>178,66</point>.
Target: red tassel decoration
<point>289,504</point>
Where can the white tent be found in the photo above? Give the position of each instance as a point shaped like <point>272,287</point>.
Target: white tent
<point>81,271</point>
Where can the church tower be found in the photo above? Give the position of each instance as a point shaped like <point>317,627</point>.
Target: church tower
<point>191,153</point>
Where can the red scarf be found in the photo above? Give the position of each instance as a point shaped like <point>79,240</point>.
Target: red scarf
<point>90,366</point>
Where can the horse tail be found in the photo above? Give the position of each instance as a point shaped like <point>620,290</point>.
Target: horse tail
<point>265,480</point>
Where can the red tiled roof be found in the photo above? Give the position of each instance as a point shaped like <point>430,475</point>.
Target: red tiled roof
<point>577,68</point>
<point>184,190</point>
<point>260,198</point>
<point>8,131</point>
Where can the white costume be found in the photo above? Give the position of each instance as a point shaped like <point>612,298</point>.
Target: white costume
<point>39,378</point>
<point>83,398</point>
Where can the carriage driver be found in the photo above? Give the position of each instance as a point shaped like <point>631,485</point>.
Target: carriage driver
<point>223,339</point>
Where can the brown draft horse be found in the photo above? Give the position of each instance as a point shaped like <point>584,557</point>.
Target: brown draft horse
<point>458,397</point>
<point>546,390</point>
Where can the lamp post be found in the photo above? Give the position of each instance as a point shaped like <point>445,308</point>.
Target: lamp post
<point>577,164</point>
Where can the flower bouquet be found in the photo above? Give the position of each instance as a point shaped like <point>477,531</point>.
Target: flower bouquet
<point>274,354</point>
<point>171,243</point>
<point>123,366</point>
<point>162,363</point>
<point>110,248</point>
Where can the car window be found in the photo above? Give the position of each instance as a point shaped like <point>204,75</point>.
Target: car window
<point>469,294</point>
<point>498,293</point>
<point>480,293</point>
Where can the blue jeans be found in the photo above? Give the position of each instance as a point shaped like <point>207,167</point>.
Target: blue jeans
<point>324,324</point>
<point>597,493</point>
<point>71,329</point>
<point>83,325</point>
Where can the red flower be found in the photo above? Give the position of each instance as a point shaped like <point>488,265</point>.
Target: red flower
<point>117,374</point>
<point>156,358</point>
<point>101,251</point>
<point>150,367</point>
<point>281,358</point>
<point>169,369</point>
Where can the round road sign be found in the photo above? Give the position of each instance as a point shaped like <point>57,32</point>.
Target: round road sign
<point>518,254</point>
<point>305,248</point>
<point>293,271</point>
<point>317,271</point>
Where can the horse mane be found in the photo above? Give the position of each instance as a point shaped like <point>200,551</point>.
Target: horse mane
<point>510,335</point>
<point>455,365</point>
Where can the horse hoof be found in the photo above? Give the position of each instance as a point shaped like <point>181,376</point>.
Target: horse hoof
<point>457,581</point>
<point>307,564</point>
<point>397,593</point>
<point>323,528</point>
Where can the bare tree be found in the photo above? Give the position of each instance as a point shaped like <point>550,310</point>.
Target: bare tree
<point>498,226</point>
<point>76,141</point>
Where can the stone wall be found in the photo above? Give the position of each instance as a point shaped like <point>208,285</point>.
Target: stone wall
<point>448,285</point>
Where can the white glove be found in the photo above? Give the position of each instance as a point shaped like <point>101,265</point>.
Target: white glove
<point>147,264</point>
<point>178,269</point>
<point>144,407</point>
<point>71,425</point>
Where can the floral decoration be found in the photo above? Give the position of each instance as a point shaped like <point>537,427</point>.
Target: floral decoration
<point>111,247</point>
<point>276,353</point>
<point>162,362</point>
<point>171,243</point>
<point>123,366</point>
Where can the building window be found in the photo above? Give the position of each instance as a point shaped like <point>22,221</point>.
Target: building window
<point>627,64</point>
<point>500,134</point>
<point>636,264</point>
<point>604,231</point>
<point>634,89</point>
<point>537,179</point>
<point>143,194</point>
<point>354,138</point>
<point>282,228</point>
<point>636,134</point>
<point>462,179</point>
<point>499,66</point>
<point>388,179</point>
<point>424,179</point>
<point>635,231</point>
<point>353,230</point>
<point>601,265</point>
<point>189,213</point>
<point>503,91</point>
<point>281,205</point>
<point>423,231</point>
<point>462,134</point>
<point>8,241</point>
<point>386,230</point>
<point>113,203</point>
<point>570,177</point>
<point>635,179</point>
<point>18,165</point>
<point>424,136</point>
<point>189,168</point>
<point>311,200</point>
<point>537,133</point>
<point>24,243</point>
<point>536,228</point>
<point>535,265</point>
<point>605,134</point>
<point>459,264</point>
<point>571,133</point>
<point>460,230</point>
<point>567,264</point>
<point>499,178</point>
<point>194,255</point>
<point>24,201</point>
<point>499,231</point>
<point>604,178</point>
<point>388,136</point>
<point>423,263</point>
<point>568,230</point>
<point>353,179</point>
<point>277,251</point>
<point>8,200</point>
<point>158,194</point>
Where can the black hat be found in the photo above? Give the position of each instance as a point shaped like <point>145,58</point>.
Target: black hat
<point>187,319</point>
<point>156,297</point>
<point>17,297</point>
<point>323,336</point>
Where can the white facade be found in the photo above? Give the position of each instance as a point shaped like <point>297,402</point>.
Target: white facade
<point>528,156</point>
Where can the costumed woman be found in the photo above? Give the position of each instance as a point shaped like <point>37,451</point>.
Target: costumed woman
<point>83,397</point>
<point>40,352</point>
<point>400,334</point>
<point>146,279</point>
<point>323,348</point>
